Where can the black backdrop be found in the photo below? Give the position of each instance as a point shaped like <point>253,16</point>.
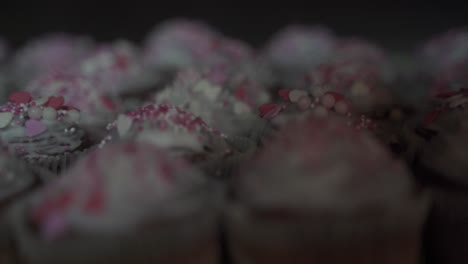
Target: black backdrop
<point>395,25</point>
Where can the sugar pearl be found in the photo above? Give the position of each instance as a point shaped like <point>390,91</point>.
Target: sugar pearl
<point>341,107</point>
<point>321,112</point>
<point>73,116</point>
<point>304,103</point>
<point>35,113</point>
<point>49,113</point>
<point>328,101</point>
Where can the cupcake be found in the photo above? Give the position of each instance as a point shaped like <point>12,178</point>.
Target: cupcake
<point>241,80</point>
<point>296,50</point>
<point>447,114</point>
<point>216,105</point>
<point>442,167</point>
<point>444,60</point>
<point>358,70</point>
<point>298,104</point>
<point>174,129</point>
<point>42,131</point>
<point>16,179</point>
<point>48,53</point>
<point>177,44</point>
<point>126,203</point>
<point>322,192</point>
<point>85,93</point>
<point>118,69</point>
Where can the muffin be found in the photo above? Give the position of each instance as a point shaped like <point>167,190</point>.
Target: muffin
<point>126,203</point>
<point>297,49</point>
<point>176,130</point>
<point>442,167</point>
<point>322,192</point>
<point>216,105</point>
<point>44,132</point>
<point>16,180</point>
<point>48,53</point>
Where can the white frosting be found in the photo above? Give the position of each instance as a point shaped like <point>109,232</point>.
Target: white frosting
<point>212,103</point>
<point>323,165</point>
<point>130,183</point>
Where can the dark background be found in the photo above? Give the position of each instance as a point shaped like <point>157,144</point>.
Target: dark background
<point>395,25</point>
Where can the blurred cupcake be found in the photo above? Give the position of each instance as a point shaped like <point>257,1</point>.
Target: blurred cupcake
<point>220,109</point>
<point>296,50</point>
<point>448,113</point>
<point>118,69</point>
<point>177,44</point>
<point>358,70</point>
<point>48,53</point>
<point>444,60</point>
<point>85,93</point>
<point>323,192</point>
<point>16,179</point>
<point>43,131</point>
<point>126,203</point>
<point>443,168</point>
<point>174,129</point>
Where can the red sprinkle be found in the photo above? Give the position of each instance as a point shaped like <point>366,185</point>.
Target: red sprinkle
<point>269,110</point>
<point>241,93</point>
<point>108,103</point>
<point>431,117</point>
<point>55,102</point>
<point>284,93</point>
<point>20,97</point>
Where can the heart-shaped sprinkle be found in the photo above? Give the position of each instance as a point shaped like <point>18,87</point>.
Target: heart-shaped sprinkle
<point>34,128</point>
<point>55,102</point>
<point>269,111</point>
<point>284,93</point>
<point>5,119</point>
<point>124,123</point>
<point>265,108</point>
<point>294,95</point>
<point>20,97</point>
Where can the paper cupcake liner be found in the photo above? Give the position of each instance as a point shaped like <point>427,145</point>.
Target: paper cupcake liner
<point>192,239</point>
<point>366,237</point>
<point>243,149</point>
<point>49,167</point>
<point>446,232</point>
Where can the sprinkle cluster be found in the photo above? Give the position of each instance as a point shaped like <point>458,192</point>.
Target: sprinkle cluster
<point>22,110</point>
<point>161,117</point>
<point>321,106</point>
